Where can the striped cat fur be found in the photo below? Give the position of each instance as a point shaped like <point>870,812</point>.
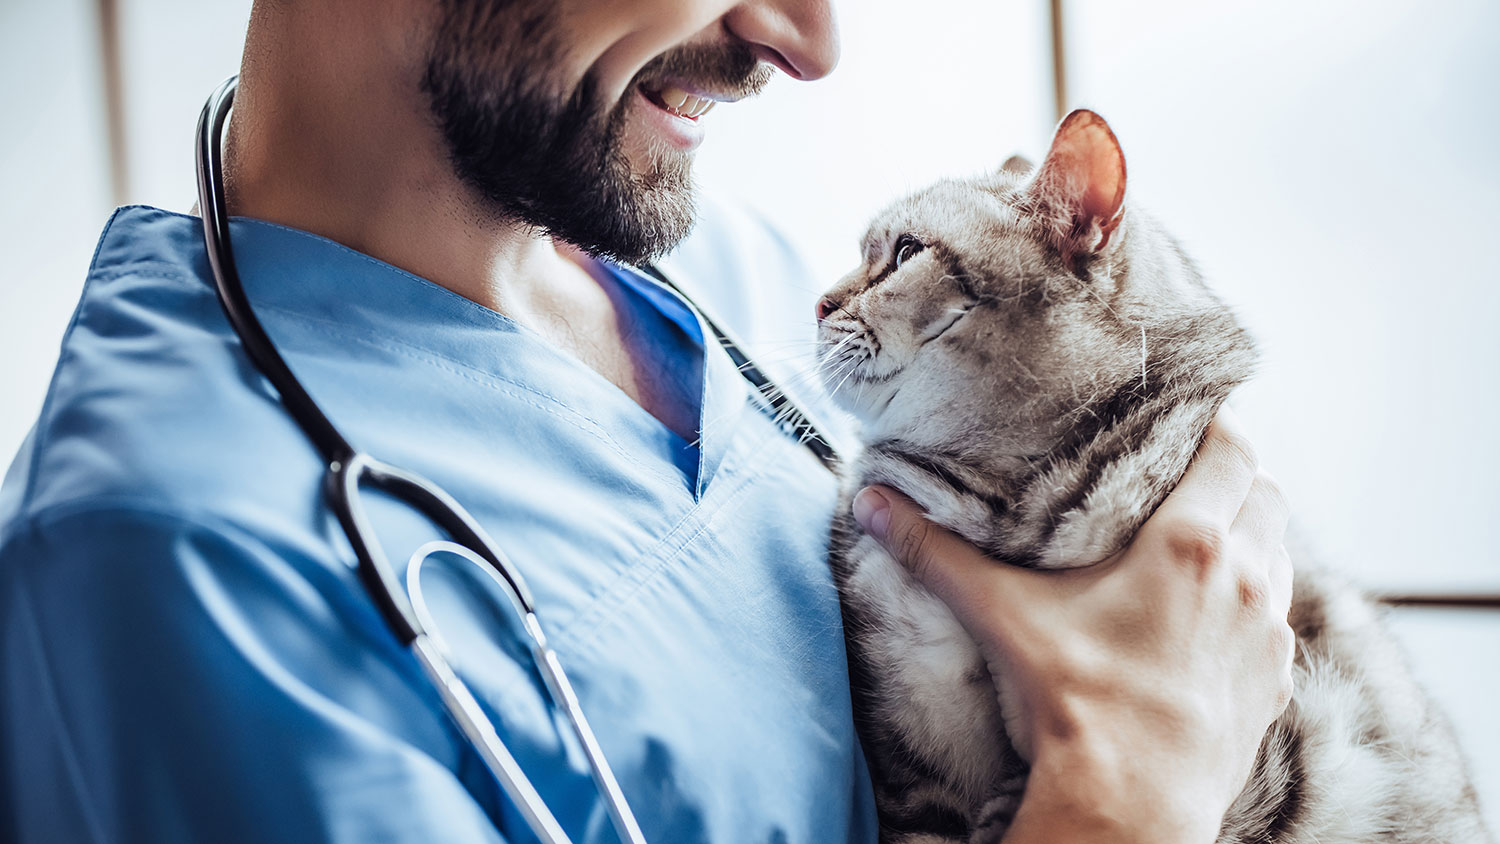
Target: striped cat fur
<point>1035,362</point>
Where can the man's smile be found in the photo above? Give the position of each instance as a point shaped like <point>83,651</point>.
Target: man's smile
<point>675,113</point>
<point>680,102</point>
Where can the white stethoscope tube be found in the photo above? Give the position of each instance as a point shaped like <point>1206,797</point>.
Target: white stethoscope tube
<point>406,614</point>
<point>430,648</point>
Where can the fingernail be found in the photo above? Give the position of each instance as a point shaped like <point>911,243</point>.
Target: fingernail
<point>873,512</point>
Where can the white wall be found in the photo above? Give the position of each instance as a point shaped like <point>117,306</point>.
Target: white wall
<point>54,156</point>
<point>175,53</point>
<point>954,89</point>
<point>55,178</point>
<point>1331,163</point>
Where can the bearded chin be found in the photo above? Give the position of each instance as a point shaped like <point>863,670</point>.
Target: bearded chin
<point>559,165</point>
<point>630,213</point>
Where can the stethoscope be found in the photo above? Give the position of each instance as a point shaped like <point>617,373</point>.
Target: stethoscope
<point>350,471</point>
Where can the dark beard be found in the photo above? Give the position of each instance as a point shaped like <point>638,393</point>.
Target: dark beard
<point>553,159</point>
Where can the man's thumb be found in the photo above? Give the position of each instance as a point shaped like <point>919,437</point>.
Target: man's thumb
<point>975,587</point>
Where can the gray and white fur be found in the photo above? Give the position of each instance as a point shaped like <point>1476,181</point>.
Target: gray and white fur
<point>1035,361</point>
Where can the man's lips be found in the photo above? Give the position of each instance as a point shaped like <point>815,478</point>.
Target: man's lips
<point>678,130</point>
<point>677,108</point>
<point>681,102</point>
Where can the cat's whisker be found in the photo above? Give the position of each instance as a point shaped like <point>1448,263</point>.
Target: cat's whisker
<point>828,369</point>
<point>835,371</point>
<point>806,343</point>
<point>759,360</point>
<point>833,347</point>
<point>1143,357</point>
<point>809,375</point>
<point>854,367</point>
<point>803,375</point>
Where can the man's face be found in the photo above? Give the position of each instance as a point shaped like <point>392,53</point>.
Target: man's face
<point>580,118</point>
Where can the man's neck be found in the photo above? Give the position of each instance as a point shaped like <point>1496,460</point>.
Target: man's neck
<point>331,135</point>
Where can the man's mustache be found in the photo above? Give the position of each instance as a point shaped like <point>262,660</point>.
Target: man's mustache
<point>730,70</point>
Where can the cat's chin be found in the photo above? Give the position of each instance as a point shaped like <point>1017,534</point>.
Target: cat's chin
<point>861,412</point>
<point>873,422</point>
<point>871,407</point>
<point>889,428</point>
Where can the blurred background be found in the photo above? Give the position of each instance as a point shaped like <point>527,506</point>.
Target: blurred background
<point>1331,164</point>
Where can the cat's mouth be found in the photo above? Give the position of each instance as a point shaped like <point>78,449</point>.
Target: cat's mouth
<point>849,365</point>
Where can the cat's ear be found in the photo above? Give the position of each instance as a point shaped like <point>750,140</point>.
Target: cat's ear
<point>1017,164</point>
<point>1080,188</point>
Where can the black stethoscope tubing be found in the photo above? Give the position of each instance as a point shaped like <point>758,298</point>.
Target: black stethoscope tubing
<point>348,470</point>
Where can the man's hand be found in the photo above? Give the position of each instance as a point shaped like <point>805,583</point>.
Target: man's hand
<point>1147,681</point>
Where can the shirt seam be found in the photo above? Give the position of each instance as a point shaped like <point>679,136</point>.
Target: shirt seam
<point>462,301</point>
<point>163,269</point>
<point>166,269</point>
<point>568,412</point>
<point>637,570</point>
<point>553,407</point>
<point>644,567</point>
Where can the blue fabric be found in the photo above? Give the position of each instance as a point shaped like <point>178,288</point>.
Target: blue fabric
<point>187,654</point>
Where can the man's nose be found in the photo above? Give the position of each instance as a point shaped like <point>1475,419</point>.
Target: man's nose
<point>799,36</point>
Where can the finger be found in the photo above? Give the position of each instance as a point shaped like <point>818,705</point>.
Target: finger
<point>1214,487</point>
<point>1264,515</point>
<point>1281,575</point>
<point>979,590</point>
<point>1260,529</point>
<point>1286,671</point>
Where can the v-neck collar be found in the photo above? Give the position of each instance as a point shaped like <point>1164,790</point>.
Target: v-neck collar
<point>289,272</point>
<point>724,394</point>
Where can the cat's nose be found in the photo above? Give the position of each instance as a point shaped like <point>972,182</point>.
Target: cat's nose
<point>825,307</point>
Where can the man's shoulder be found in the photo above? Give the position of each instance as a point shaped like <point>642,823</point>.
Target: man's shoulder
<point>147,403</point>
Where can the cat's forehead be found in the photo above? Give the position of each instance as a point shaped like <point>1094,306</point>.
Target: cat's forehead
<point>954,207</point>
<point>980,224</point>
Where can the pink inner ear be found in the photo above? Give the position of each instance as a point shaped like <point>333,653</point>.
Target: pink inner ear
<point>1085,173</point>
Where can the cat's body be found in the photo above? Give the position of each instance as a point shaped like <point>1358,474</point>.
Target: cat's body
<point>1035,366</point>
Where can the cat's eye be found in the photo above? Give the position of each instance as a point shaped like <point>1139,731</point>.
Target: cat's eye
<point>907,246</point>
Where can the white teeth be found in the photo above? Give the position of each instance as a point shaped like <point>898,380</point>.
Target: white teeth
<point>674,97</point>
<point>683,104</point>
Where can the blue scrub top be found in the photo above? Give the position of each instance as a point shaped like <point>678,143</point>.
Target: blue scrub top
<point>188,655</point>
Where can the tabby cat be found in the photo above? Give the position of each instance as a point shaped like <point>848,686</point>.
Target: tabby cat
<point>1035,361</point>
